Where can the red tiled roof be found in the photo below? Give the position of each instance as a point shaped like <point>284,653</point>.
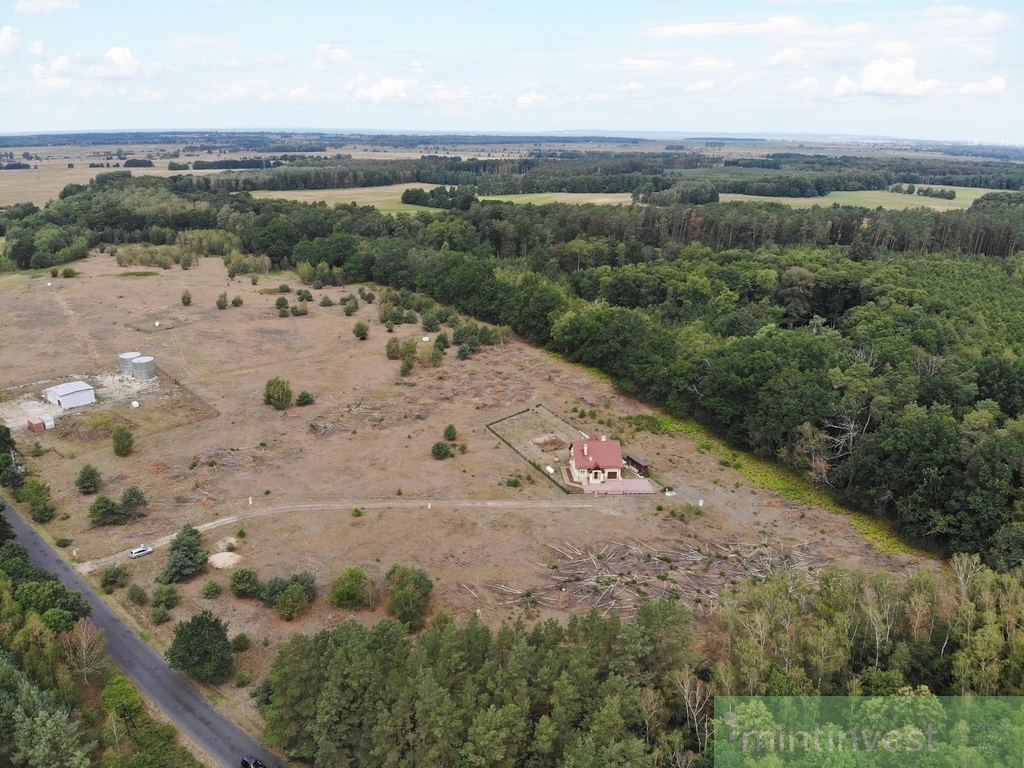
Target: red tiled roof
<point>600,454</point>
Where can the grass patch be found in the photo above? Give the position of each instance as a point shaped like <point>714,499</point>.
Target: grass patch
<point>142,273</point>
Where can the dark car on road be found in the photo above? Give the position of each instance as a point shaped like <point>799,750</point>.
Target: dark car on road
<point>251,762</point>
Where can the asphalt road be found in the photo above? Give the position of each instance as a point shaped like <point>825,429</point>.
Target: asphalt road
<point>179,700</point>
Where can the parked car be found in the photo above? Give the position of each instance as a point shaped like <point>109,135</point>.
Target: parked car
<point>251,762</point>
<point>141,551</point>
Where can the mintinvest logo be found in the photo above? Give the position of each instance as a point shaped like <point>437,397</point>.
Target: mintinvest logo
<point>906,731</point>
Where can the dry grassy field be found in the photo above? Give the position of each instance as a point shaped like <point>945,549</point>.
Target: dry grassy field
<point>874,198</point>
<point>210,453</point>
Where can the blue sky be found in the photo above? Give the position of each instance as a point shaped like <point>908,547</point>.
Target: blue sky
<point>909,69</point>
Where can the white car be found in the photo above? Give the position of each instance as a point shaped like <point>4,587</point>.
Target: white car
<point>140,551</point>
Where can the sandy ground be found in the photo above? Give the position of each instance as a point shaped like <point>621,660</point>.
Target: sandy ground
<point>209,452</point>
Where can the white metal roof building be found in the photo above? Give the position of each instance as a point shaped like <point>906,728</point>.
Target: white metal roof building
<point>71,394</point>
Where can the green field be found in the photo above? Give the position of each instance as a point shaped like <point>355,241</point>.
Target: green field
<point>874,198</point>
<point>388,199</point>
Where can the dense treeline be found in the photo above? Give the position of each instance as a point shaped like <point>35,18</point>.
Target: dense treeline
<point>854,345</point>
<point>599,692</point>
<point>222,165</point>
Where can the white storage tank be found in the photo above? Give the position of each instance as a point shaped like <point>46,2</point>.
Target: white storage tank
<point>143,368</point>
<point>125,361</point>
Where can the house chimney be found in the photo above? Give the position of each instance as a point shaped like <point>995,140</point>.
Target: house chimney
<point>584,448</point>
<point>603,438</point>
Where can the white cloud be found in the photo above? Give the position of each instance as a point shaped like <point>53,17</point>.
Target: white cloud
<point>991,86</point>
<point>225,92</point>
<point>118,63</point>
<point>187,42</point>
<point>36,49</point>
<point>531,99</point>
<point>273,59</point>
<point>234,64</point>
<point>44,6</point>
<point>445,93</point>
<point>895,78</point>
<point>631,88</point>
<point>774,25</point>
<point>806,85</point>
<point>894,48</point>
<point>149,96</point>
<point>50,77</point>
<point>9,37</point>
<point>328,56</point>
<point>788,57</point>
<point>597,97</point>
<point>644,64</point>
<point>387,90</point>
<point>844,87</point>
<point>703,85</point>
<point>706,64</point>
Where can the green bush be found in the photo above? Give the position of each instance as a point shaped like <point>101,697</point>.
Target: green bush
<point>406,368</point>
<point>284,288</point>
<point>166,596</point>
<point>236,302</point>
<point>88,479</point>
<point>63,543</point>
<point>245,583</point>
<point>160,614</point>
<point>409,592</point>
<point>137,594</point>
<point>114,576</point>
<point>211,589</point>
<point>240,643</point>
<point>123,440</point>
<point>68,272</point>
<point>441,450</point>
<point>304,398</point>
<point>391,349</point>
<point>361,331</point>
<point>186,298</point>
<point>278,393</point>
<point>281,303</point>
<point>450,433</point>
<point>348,590</point>
<point>326,301</point>
<point>186,557</point>
<point>291,603</point>
<point>222,301</point>
<point>37,449</point>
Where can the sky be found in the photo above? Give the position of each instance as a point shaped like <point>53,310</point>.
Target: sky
<point>858,67</point>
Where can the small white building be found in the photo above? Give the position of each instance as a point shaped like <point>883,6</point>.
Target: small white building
<point>70,395</point>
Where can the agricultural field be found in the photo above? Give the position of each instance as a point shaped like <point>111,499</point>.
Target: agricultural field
<point>486,525</point>
<point>389,199</point>
<point>872,199</point>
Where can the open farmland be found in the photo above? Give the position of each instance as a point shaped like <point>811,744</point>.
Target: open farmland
<point>873,198</point>
<point>210,453</point>
<point>389,199</point>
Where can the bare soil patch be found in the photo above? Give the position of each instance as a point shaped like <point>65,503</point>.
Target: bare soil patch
<point>210,453</point>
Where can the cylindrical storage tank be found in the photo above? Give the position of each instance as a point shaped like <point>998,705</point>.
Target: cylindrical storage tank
<point>143,368</point>
<point>125,361</point>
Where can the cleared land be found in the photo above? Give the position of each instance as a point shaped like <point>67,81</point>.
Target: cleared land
<point>874,198</point>
<point>209,452</point>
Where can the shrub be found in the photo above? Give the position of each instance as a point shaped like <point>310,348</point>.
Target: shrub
<point>441,450</point>
<point>237,301</point>
<point>255,279</point>
<point>391,349</point>
<point>186,297</point>
<point>406,368</point>
<point>450,433</point>
<point>361,331</point>
<point>104,511</point>
<point>281,303</point>
<point>166,596</point>
<point>160,614</point>
<point>88,480</point>
<point>284,288</point>
<point>350,307</point>
<point>222,301</point>
<point>304,398</point>
<point>68,272</point>
<point>245,583</point>
<point>326,301</point>
<point>43,513</point>
<point>123,440</point>
<point>241,533</point>
<point>301,309</point>
<point>137,594</point>
<point>278,393</point>
<point>186,260</point>
<point>186,557</point>
<point>37,449</point>
<point>114,576</point>
<point>464,352</point>
<point>211,589</point>
<point>357,512</point>
<point>282,312</point>
<point>272,589</point>
<point>291,603</point>
<point>63,543</point>
<point>240,643</point>
<point>303,295</point>
<point>441,341</point>
<point>54,271</point>
<point>348,590</point>
<point>408,594</point>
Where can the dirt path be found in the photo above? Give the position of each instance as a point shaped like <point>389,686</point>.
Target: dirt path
<point>344,504</point>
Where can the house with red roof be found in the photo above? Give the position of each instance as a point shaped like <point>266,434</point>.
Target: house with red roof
<point>595,460</point>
